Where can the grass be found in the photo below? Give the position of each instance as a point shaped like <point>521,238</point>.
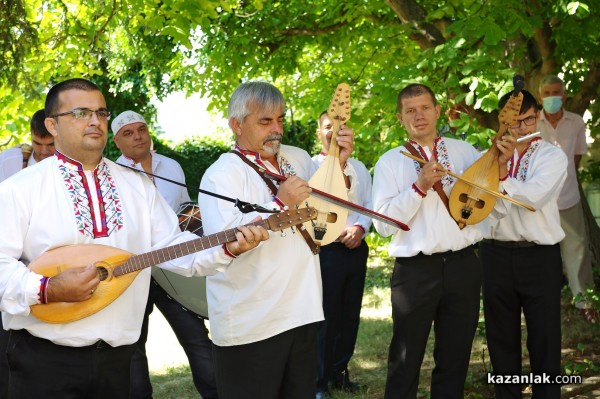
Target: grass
<point>581,348</point>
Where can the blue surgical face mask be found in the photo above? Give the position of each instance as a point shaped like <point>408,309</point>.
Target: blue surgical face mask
<point>552,104</point>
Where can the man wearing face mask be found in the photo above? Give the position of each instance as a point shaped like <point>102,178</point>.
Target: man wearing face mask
<point>566,130</point>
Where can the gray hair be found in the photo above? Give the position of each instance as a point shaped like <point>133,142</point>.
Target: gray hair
<point>550,80</point>
<point>257,92</point>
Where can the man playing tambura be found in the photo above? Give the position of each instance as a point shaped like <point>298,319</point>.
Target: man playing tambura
<point>131,136</point>
<point>79,204</point>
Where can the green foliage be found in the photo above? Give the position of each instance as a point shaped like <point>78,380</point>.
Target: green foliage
<point>111,151</point>
<point>591,297</point>
<point>195,156</point>
<point>16,35</point>
<point>590,173</point>
<point>467,51</point>
<point>302,135</point>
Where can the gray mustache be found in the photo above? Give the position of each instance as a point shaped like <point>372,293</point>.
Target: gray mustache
<point>272,137</point>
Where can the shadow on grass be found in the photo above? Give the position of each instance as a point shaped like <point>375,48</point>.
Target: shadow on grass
<point>581,348</point>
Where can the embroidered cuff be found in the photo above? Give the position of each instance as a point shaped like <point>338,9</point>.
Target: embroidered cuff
<point>227,252</point>
<point>417,190</point>
<point>504,178</point>
<point>43,292</point>
<point>361,227</point>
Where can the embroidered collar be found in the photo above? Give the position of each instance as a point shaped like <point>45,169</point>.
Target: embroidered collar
<point>285,168</point>
<point>94,196</point>
<point>440,154</point>
<point>68,162</point>
<point>518,169</point>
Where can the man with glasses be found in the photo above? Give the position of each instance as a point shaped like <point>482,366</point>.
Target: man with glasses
<point>522,262</point>
<point>566,130</point>
<point>78,197</point>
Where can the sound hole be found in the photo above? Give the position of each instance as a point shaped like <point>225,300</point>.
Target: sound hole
<point>190,218</point>
<point>102,270</point>
<point>474,202</point>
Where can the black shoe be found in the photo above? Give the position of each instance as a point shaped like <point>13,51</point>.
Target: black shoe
<point>342,382</point>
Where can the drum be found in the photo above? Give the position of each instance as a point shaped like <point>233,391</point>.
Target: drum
<point>190,292</point>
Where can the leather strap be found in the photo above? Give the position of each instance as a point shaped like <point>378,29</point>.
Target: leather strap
<point>438,184</point>
<point>314,247</point>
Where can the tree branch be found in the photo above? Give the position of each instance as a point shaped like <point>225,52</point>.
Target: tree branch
<point>312,32</point>
<point>545,48</point>
<point>581,101</point>
<point>425,34</point>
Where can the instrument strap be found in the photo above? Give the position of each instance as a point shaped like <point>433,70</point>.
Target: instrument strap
<point>314,247</point>
<point>438,184</point>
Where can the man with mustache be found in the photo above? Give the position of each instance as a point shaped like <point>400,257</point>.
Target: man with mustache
<point>264,315</point>
<point>79,197</point>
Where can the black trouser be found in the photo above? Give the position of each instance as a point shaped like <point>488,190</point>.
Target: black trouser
<point>282,366</point>
<point>343,272</point>
<point>527,279</point>
<point>193,338</point>
<point>443,289</point>
<point>41,369</point>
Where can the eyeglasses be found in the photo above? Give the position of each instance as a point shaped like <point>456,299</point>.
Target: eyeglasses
<point>529,121</point>
<point>85,113</point>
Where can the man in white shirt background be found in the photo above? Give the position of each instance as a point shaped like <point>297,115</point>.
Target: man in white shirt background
<point>19,157</point>
<point>12,161</point>
<point>343,271</point>
<point>132,137</point>
<point>566,130</point>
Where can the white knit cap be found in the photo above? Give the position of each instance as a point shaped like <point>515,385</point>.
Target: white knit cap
<point>126,118</point>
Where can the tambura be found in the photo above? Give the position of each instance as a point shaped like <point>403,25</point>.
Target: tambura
<point>190,292</point>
